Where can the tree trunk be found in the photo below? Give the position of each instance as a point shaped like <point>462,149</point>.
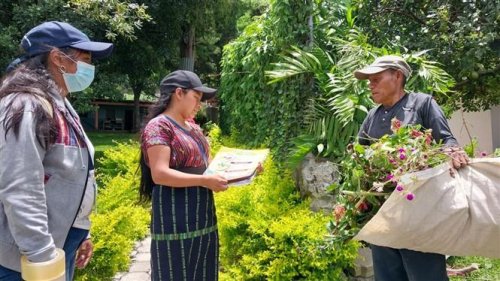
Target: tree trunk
<point>137,89</point>
<point>187,48</point>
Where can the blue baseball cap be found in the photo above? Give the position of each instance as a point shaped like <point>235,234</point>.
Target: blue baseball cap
<point>48,35</point>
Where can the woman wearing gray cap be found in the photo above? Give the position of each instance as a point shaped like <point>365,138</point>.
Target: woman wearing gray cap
<point>47,186</point>
<point>174,155</point>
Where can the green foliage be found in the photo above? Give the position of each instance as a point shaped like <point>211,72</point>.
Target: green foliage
<point>120,159</point>
<point>371,173</point>
<point>489,269</point>
<point>214,138</point>
<point>268,232</point>
<point>461,35</point>
<point>117,19</point>
<point>340,102</point>
<point>105,140</point>
<point>118,220</point>
<point>122,17</point>
<point>118,191</point>
<point>264,114</point>
<point>113,235</point>
<point>471,148</point>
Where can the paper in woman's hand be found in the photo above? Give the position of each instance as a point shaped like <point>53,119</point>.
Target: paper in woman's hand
<point>238,166</point>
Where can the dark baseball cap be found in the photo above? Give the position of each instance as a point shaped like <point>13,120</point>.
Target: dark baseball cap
<point>384,63</point>
<point>44,37</point>
<point>186,80</point>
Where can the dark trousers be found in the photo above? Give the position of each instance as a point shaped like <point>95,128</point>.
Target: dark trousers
<point>407,265</point>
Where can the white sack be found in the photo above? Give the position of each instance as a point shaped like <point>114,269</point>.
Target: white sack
<point>453,216</point>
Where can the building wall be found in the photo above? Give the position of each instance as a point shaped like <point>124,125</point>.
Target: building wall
<point>495,126</point>
<point>485,126</point>
<point>117,117</point>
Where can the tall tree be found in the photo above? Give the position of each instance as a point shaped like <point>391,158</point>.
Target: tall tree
<point>152,37</point>
<point>462,35</point>
<point>109,21</point>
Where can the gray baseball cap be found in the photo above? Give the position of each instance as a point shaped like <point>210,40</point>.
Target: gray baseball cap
<point>186,80</point>
<point>384,63</point>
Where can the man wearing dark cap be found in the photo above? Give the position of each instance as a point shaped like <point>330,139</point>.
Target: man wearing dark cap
<point>387,76</point>
<point>47,184</point>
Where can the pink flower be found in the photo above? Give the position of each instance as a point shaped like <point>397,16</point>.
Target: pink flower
<point>416,133</point>
<point>338,212</point>
<point>399,187</point>
<point>362,207</point>
<point>410,196</point>
<point>428,139</point>
<point>483,154</point>
<point>402,156</point>
<point>402,150</point>
<point>395,125</point>
<point>390,176</point>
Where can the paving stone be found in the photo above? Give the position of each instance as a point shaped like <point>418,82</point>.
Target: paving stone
<point>142,266</point>
<point>140,269</point>
<point>136,276</point>
<point>363,266</point>
<point>137,244</point>
<point>142,257</point>
<point>144,248</point>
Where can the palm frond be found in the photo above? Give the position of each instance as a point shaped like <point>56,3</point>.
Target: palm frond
<point>296,61</point>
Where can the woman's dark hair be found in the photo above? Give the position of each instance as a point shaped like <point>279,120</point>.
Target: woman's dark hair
<point>30,83</point>
<point>146,184</point>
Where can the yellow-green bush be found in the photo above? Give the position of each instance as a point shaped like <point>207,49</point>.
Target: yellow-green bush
<point>266,230</point>
<point>113,235</point>
<point>268,233</point>
<point>119,220</point>
<point>121,159</point>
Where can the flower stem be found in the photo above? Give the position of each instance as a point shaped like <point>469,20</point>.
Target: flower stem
<point>364,193</point>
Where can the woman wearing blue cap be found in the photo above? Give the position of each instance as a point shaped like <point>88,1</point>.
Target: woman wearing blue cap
<point>47,185</point>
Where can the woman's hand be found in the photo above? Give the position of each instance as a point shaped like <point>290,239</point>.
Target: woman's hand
<point>215,183</point>
<point>259,169</point>
<point>84,254</point>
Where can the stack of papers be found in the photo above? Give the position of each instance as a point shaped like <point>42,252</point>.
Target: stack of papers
<point>238,166</point>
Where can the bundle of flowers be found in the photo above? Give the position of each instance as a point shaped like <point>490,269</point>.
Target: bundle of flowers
<point>372,173</point>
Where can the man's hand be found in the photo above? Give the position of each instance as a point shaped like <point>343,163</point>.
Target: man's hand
<point>459,158</point>
<point>84,254</point>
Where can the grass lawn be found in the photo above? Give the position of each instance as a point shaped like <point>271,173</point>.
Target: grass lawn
<point>489,269</point>
<point>105,140</point>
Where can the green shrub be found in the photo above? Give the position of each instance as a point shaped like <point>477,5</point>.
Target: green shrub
<point>121,190</point>
<point>267,232</point>
<point>113,235</point>
<point>266,229</point>
<point>119,220</point>
<point>121,159</point>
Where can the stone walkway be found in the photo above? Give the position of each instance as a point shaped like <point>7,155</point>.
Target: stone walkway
<point>140,269</point>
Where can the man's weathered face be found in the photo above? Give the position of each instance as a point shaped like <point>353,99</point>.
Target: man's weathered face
<point>385,86</point>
